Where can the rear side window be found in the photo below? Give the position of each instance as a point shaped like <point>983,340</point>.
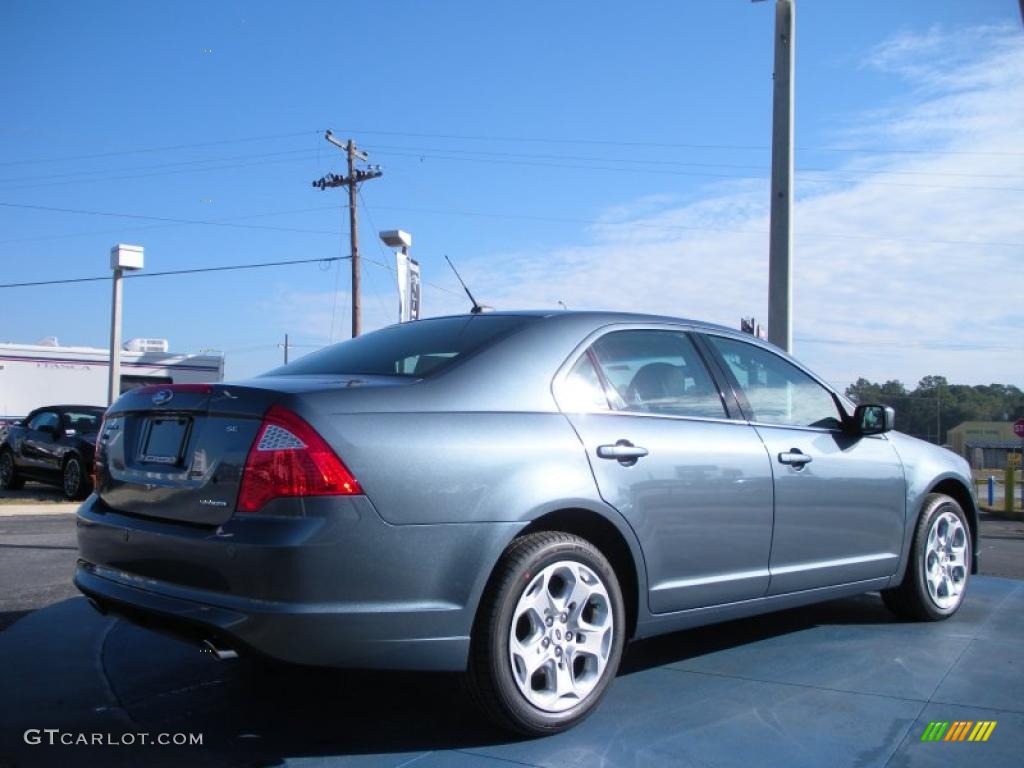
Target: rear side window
<point>82,421</point>
<point>417,349</point>
<point>583,391</point>
<point>657,372</point>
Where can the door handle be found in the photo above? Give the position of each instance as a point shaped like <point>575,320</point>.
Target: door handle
<point>794,457</point>
<point>623,451</point>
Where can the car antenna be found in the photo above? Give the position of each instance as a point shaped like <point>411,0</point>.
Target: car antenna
<point>477,307</point>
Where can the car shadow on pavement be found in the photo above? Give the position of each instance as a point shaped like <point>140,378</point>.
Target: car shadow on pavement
<point>867,609</point>
<point>255,713</point>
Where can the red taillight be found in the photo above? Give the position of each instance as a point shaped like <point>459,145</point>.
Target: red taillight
<point>288,458</point>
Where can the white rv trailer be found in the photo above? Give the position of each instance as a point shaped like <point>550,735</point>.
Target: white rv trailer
<point>32,375</point>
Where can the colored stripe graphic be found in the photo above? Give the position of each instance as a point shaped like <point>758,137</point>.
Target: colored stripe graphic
<point>983,730</point>
<point>958,730</point>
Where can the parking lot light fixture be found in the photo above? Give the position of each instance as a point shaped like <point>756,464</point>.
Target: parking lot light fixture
<point>122,257</point>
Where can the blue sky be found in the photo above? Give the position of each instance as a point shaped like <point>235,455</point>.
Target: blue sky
<point>603,154</point>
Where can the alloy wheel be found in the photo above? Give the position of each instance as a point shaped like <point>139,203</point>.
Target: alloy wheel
<point>561,636</point>
<point>945,560</point>
<point>72,478</point>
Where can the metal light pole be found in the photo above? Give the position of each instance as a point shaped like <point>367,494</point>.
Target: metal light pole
<point>780,267</point>
<point>122,257</point>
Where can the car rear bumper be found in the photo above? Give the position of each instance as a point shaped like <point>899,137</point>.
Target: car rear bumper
<point>335,587</point>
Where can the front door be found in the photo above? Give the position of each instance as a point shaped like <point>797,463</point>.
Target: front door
<point>38,448</point>
<point>694,484</point>
<point>840,499</point>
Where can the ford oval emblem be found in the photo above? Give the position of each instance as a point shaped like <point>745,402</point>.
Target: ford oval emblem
<point>163,396</point>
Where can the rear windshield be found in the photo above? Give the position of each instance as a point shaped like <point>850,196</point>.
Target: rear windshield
<point>415,349</point>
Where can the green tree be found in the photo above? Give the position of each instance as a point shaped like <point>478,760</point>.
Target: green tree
<point>935,406</point>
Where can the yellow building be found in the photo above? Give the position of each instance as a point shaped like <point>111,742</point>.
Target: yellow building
<point>984,444</point>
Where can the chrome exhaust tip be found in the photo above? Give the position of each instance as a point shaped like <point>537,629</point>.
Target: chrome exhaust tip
<point>223,654</point>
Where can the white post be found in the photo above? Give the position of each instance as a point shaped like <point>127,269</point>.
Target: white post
<point>780,267</point>
<point>114,379</point>
<point>122,257</point>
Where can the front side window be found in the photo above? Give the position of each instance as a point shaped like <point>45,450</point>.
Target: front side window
<point>44,419</point>
<point>657,372</point>
<point>778,392</point>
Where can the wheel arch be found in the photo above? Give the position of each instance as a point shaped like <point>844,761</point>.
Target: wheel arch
<point>614,543</point>
<point>955,489</point>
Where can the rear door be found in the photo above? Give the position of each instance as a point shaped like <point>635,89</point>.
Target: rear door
<point>840,499</point>
<point>694,483</point>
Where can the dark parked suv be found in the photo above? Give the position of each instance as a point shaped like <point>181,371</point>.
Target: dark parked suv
<point>54,444</point>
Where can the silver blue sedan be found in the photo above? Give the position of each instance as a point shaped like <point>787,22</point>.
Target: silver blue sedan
<point>514,495</point>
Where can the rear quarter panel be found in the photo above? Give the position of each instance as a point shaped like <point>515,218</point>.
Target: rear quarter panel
<point>421,468</point>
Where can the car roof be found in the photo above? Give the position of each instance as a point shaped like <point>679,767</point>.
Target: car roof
<point>601,316</point>
<point>99,408</point>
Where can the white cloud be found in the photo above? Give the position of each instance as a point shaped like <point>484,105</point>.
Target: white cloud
<point>885,266</point>
<point>891,279</point>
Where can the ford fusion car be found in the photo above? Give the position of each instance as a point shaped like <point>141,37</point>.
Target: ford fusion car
<point>53,444</point>
<point>514,495</point>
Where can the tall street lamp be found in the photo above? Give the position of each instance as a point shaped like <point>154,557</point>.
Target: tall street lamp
<point>408,274</point>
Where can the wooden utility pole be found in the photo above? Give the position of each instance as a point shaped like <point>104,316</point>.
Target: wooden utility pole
<point>352,181</point>
<point>353,235</point>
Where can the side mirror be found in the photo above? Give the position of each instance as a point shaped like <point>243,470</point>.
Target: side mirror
<point>874,419</point>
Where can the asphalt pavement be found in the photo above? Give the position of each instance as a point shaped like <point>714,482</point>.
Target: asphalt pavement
<point>843,683</point>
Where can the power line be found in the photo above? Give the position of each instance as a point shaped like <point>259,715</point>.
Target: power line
<point>687,228</point>
<point>666,172</point>
<point>68,158</point>
<point>206,222</point>
<point>387,266</point>
<point>425,152</point>
<point>90,176</point>
<point>665,145</point>
<point>380,247</point>
<point>161,226</point>
<point>521,139</point>
<point>198,161</point>
<point>510,216</point>
<point>939,345</point>
<point>100,179</point>
<point>134,275</point>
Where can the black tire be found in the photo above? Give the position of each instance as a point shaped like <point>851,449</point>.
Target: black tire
<point>491,677</point>
<point>9,478</point>
<point>912,599</point>
<point>74,481</point>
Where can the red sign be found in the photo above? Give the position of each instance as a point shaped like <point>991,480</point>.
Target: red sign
<point>1018,428</point>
